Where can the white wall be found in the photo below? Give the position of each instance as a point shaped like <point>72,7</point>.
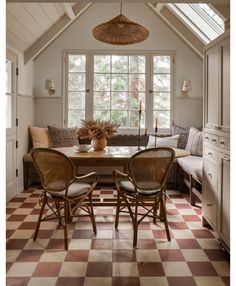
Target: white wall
<point>78,36</point>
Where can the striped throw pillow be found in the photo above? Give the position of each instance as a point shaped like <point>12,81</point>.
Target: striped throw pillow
<point>195,142</point>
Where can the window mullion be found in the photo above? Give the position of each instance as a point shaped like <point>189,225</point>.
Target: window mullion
<point>89,86</point>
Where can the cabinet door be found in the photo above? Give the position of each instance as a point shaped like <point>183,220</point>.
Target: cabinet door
<point>225,87</point>
<point>224,200</point>
<point>209,193</point>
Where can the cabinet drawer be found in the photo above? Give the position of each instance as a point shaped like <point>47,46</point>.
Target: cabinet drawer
<point>224,143</point>
<point>210,153</point>
<point>214,140</point>
<point>207,138</point>
<point>210,194</point>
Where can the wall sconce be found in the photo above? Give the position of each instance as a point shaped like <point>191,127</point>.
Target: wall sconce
<point>187,86</point>
<point>49,85</point>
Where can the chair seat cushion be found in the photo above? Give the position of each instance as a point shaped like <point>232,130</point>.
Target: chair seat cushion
<point>193,165</point>
<point>128,186</point>
<point>76,189</point>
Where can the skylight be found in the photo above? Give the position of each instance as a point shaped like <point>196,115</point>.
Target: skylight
<point>201,19</point>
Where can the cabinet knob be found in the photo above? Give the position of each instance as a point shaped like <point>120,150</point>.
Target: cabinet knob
<point>209,175</point>
<point>213,140</point>
<point>209,205</point>
<point>209,154</point>
<point>222,142</point>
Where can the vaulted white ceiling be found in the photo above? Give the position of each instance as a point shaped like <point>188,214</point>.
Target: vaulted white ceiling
<point>32,26</point>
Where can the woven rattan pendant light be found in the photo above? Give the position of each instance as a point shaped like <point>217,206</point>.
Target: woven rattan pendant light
<point>120,31</point>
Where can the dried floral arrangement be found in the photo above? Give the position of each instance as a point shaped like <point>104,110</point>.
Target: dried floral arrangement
<point>97,129</point>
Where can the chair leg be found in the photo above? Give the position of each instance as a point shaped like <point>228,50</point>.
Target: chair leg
<point>135,224</point>
<point>192,196</point>
<point>92,214</point>
<point>163,207</point>
<point>65,224</point>
<point>118,209</point>
<point>155,211</point>
<point>40,217</point>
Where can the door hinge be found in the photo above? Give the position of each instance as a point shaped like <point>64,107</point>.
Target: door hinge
<point>17,71</point>
<point>16,144</point>
<point>17,121</point>
<point>16,172</point>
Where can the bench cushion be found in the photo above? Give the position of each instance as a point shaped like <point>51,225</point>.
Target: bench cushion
<point>193,165</point>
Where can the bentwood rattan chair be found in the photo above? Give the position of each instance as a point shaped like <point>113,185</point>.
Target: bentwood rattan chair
<point>144,187</point>
<point>63,192</point>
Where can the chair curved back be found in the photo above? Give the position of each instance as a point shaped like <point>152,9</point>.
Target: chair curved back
<point>55,169</point>
<point>149,168</point>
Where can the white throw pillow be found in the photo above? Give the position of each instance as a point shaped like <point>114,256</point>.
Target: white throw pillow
<point>40,137</point>
<point>170,141</point>
<point>195,142</point>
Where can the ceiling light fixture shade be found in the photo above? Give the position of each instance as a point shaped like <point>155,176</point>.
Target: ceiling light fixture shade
<point>120,31</point>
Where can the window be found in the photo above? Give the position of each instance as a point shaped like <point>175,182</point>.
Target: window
<point>114,86</point>
<point>201,19</point>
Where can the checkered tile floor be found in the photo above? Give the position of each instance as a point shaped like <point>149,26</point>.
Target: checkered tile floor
<point>193,257</point>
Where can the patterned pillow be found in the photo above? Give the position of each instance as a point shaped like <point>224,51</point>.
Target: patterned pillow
<point>63,137</point>
<point>194,144</point>
<point>183,135</point>
<point>169,141</point>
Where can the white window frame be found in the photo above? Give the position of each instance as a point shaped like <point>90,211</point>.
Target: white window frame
<point>149,85</point>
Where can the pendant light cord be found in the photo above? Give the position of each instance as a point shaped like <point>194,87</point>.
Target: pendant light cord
<point>121,8</point>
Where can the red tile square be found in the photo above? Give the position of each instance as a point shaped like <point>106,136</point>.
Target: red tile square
<point>28,225</point>
<point>146,244</point>
<point>182,206</point>
<point>188,243</point>
<point>8,266</point>
<point>77,255</point>
<point>160,234</point>
<point>202,269</point>
<point>104,225</point>
<point>216,254</point>
<point>47,269</point>
<point>29,256</point>
<point>150,269</point>
<point>16,243</point>
<point>125,281</point>
<point>45,233</point>
<point>202,233</point>
<point>226,280</point>
<point>10,210</point>
<point>126,255</point>
<point>177,225</point>
<point>101,244</point>
<point>99,269</point>
<point>9,233</point>
<point>16,217</point>
<point>28,205</point>
<point>198,211</point>
<point>172,212</point>
<point>70,281</point>
<point>17,281</point>
<point>191,217</point>
<point>37,211</point>
<point>122,234</point>
<point>171,255</point>
<point>17,200</point>
<point>57,244</point>
<point>82,234</point>
<point>181,281</point>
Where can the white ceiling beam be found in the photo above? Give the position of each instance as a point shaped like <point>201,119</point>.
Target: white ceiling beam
<point>68,10</point>
<point>79,8</point>
<point>177,26</point>
<point>128,1</point>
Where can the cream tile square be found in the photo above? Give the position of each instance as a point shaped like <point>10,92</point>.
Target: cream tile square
<point>59,234</point>
<point>13,225</point>
<point>23,233</point>
<point>153,281</point>
<point>194,255</point>
<point>179,201</point>
<point>14,205</point>
<point>208,243</point>
<point>73,269</point>
<point>98,281</point>
<point>182,233</point>
<point>125,225</point>
<point>175,218</point>
<point>76,244</point>
<point>176,269</point>
<point>104,233</point>
<point>23,211</point>
<point>148,255</point>
<point>142,234</point>
<point>127,269</point>
<point>123,244</point>
<point>39,281</point>
<point>187,212</point>
<point>165,244</point>
<point>38,244</point>
<point>170,206</point>
<point>31,218</point>
<point>11,255</point>
<point>53,256</point>
<point>206,281</point>
<point>222,268</point>
<point>194,224</point>
<point>32,200</point>
<point>49,225</point>
<point>22,269</point>
<point>83,225</point>
<point>100,255</point>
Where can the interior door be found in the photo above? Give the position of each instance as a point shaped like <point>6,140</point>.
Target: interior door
<point>11,132</point>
